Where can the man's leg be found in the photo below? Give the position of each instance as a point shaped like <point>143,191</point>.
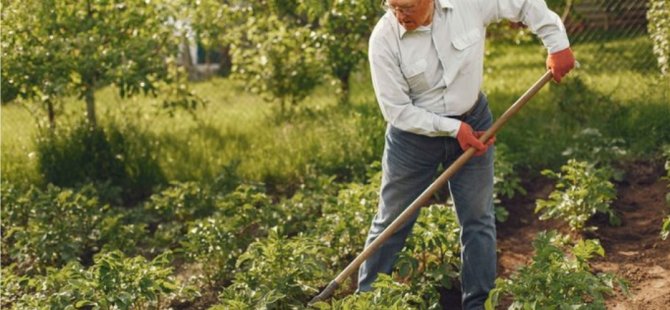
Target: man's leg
<point>472,191</point>
<point>408,167</point>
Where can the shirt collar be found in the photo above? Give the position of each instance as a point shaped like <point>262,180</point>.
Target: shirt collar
<point>444,4</point>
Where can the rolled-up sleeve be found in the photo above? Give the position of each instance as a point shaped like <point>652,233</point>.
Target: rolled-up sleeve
<point>392,93</point>
<point>533,13</point>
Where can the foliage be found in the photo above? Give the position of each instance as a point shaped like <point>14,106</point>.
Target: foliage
<point>556,279</point>
<point>431,257</point>
<point>346,26</point>
<point>665,229</point>
<point>51,227</point>
<point>390,294</point>
<point>53,49</point>
<point>279,61</point>
<point>506,183</point>
<point>343,226</point>
<point>113,282</point>
<point>591,146</point>
<point>77,154</point>
<point>277,272</point>
<point>217,241</point>
<point>581,191</point>
<point>658,15</point>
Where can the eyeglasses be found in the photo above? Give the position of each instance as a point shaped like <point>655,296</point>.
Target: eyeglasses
<point>404,10</point>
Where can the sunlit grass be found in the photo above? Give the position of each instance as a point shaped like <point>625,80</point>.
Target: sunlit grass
<point>239,132</point>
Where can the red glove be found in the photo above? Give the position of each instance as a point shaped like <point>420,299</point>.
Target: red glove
<point>467,138</point>
<point>560,63</point>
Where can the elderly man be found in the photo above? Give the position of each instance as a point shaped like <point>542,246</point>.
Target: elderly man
<point>426,60</point>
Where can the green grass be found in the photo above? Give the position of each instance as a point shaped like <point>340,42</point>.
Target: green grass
<point>238,136</point>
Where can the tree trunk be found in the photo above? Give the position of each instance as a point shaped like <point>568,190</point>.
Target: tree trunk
<point>344,88</point>
<point>90,105</point>
<point>51,114</point>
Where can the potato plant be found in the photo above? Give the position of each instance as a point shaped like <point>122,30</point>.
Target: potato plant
<point>388,294</point>
<point>581,191</point>
<point>559,277</point>
<point>217,241</point>
<point>278,272</point>
<point>344,225</point>
<point>431,257</point>
<point>506,183</point>
<point>113,282</point>
<point>51,227</point>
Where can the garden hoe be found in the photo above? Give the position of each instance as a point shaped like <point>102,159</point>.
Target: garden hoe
<point>428,193</point>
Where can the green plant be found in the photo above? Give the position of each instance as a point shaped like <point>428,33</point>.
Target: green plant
<point>77,154</point>
<point>387,295</point>
<point>556,279</point>
<point>581,191</point>
<point>53,226</point>
<point>665,229</point>
<point>344,225</point>
<point>431,257</point>
<point>113,282</point>
<point>216,242</point>
<point>506,183</point>
<point>279,61</point>
<point>659,31</point>
<point>278,272</point>
<point>55,49</point>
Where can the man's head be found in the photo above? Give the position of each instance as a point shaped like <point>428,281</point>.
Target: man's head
<point>412,13</point>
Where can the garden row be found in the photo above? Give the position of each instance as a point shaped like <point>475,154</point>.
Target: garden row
<point>75,247</point>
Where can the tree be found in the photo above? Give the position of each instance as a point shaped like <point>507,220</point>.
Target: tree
<point>52,49</point>
<point>346,27</point>
<point>280,61</point>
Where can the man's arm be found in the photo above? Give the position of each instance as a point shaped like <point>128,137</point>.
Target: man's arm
<point>541,21</point>
<point>393,97</point>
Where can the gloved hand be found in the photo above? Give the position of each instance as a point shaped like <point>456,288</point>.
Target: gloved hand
<point>468,138</point>
<point>560,63</point>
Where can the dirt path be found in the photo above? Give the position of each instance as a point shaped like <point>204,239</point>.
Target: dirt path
<point>634,250</point>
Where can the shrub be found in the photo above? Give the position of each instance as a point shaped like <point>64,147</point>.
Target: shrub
<point>80,154</point>
<point>581,191</point>
<point>556,279</point>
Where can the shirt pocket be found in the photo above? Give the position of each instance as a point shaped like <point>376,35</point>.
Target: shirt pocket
<point>415,75</point>
<point>462,53</point>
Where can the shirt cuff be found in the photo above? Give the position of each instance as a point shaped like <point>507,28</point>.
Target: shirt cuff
<point>446,126</point>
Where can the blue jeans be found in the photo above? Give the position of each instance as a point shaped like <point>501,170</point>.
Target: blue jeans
<point>409,165</point>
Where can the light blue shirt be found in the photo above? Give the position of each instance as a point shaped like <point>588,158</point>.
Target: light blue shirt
<point>422,76</point>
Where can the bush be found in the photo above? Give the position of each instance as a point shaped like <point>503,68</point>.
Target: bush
<point>665,229</point>
<point>81,154</point>
<point>581,191</point>
<point>557,280</point>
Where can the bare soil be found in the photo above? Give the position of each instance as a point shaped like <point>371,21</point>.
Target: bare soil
<point>633,251</point>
